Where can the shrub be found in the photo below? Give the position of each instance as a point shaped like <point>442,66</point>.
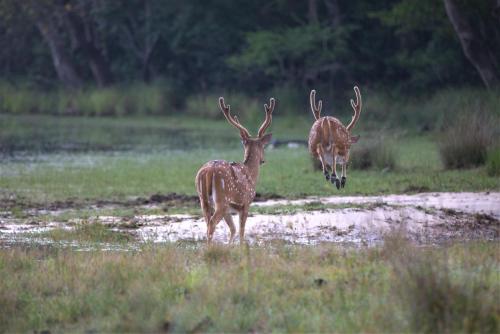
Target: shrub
<point>373,153</point>
<point>493,162</point>
<point>465,142</point>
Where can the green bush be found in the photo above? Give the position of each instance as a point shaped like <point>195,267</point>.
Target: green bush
<point>375,153</point>
<point>465,142</point>
<point>493,162</point>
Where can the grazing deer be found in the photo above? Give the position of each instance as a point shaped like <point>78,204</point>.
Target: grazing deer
<point>226,187</point>
<point>330,141</point>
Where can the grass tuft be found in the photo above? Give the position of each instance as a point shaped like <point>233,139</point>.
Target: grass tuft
<point>465,142</point>
<point>215,254</point>
<point>374,153</point>
<point>88,232</point>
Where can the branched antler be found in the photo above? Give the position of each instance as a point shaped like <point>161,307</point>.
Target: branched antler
<point>269,117</point>
<point>315,109</point>
<point>357,109</point>
<point>226,110</point>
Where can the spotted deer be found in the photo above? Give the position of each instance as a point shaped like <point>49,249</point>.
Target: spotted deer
<point>330,141</point>
<point>227,187</point>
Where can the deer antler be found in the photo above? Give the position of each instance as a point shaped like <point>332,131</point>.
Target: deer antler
<point>269,117</point>
<point>315,109</point>
<point>226,110</point>
<point>357,109</point>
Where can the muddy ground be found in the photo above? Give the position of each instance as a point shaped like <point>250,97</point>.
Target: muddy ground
<point>362,220</point>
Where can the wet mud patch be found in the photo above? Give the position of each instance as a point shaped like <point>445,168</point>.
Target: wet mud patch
<point>430,218</point>
<point>170,198</point>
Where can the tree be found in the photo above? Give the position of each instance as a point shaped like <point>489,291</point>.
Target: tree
<point>46,22</point>
<point>77,17</point>
<point>474,45</point>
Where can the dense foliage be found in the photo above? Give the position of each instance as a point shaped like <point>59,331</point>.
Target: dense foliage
<point>196,46</point>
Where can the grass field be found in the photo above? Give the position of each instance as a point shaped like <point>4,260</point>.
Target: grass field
<point>188,288</point>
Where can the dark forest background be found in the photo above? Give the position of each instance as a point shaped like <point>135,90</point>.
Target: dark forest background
<point>197,46</point>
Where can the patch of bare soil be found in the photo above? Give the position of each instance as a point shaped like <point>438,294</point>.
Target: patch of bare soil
<point>424,218</point>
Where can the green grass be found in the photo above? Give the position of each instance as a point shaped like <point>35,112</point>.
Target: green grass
<point>286,172</point>
<point>87,233</point>
<point>493,162</point>
<point>279,288</point>
<point>89,159</point>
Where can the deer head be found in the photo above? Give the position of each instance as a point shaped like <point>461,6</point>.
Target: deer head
<point>253,146</point>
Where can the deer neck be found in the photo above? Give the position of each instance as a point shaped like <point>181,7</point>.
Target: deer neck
<point>253,166</point>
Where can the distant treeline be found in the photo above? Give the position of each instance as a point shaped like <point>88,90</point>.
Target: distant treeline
<point>252,46</point>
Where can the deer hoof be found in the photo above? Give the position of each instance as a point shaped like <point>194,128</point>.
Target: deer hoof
<point>327,176</point>
<point>342,181</point>
<point>336,182</point>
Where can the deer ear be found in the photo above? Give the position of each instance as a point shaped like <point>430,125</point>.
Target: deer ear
<point>354,139</point>
<point>266,139</point>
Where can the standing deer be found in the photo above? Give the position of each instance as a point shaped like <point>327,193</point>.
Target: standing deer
<point>225,187</point>
<point>330,141</point>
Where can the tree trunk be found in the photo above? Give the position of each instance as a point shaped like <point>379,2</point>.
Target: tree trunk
<point>332,6</point>
<point>65,69</point>
<point>474,48</point>
<point>98,64</point>
<point>313,11</point>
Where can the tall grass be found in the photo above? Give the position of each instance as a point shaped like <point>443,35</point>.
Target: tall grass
<point>422,112</point>
<point>136,98</point>
<point>431,112</point>
<point>493,162</point>
<point>275,288</point>
<point>439,296</point>
<point>466,141</point>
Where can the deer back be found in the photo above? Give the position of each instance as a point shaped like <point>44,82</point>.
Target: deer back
<point>327,131</point>
<point>233,181</point>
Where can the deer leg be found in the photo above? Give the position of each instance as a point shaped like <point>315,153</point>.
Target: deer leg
<point>220,206</point>
<point>243,219</point>
<point>216,218</point>
<point>344,175</point>
<point>204,189</point>
<point>319,151</point>
<point>334,178</point>
<point>229,221</point>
